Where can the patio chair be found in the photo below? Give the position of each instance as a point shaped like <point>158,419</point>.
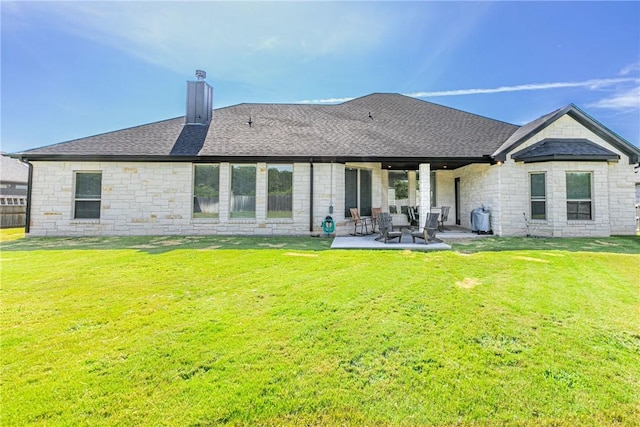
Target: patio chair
<point>444,215</point>
<point>385,226</point>
<point>362,222</point>
<point>428,233</point>
<point>375,212</point>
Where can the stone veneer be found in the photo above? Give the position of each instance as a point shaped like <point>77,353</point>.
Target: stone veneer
<point>154,198</point>
<point>505,190</point>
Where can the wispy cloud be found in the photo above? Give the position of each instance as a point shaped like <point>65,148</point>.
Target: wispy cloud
<point>629,69</point>
<point>625,100</point>
<point>628,98</point>
<point>589,84</point>
<point>243,40</point>
<point>324,101</point>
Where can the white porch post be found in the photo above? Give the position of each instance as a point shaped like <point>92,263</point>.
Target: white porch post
<point>425,192</point>
<point>411,175</point>
<point>384,190</point>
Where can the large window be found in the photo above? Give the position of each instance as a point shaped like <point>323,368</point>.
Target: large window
<point>579,205</point>
<point>88,194</point>
<point>357,191</point>
<point>206,191</point>
<point>280,191</point>
<point>538,193</point>
<point>243,191</point>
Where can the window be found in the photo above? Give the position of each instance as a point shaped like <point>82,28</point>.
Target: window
<point>87,195</point>
<point>206,191</point>
<point>357,191</point>
<point>579,196</point>
<point>243,191</point>
<point>538,192</point>
<point>280,191</point>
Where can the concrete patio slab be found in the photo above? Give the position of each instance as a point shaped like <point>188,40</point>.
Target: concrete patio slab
<point>370,242</point>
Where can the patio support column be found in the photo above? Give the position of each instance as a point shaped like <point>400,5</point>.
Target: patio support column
<point>411,175</point>
<point>425,192</point>
<point>384,189</point>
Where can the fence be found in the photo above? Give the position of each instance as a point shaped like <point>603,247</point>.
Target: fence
<point>13,216</point>
<point>281,203</point>
<point>243,203</point>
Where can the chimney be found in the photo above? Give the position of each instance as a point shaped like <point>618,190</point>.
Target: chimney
<point>199,100</point>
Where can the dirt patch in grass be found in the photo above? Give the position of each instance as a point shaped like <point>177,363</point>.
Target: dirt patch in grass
<point>528,258</point>
<point>273,246</point>
<point>468,283</point>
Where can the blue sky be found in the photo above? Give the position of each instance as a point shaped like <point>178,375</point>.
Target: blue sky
<point>75,69</point>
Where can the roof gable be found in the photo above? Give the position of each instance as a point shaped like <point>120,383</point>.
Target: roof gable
<point>530,129</point>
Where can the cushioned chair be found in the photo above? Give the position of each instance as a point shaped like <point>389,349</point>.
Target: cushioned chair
<point>428,233</point>
<point>385,226</point>
<point>362,222</point>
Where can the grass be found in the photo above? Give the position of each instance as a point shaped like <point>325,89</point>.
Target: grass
<point>190,331</point>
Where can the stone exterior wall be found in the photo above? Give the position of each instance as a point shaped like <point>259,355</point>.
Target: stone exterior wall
<point>140,198</point>
<point>147,198</point>
<point>505,190</point>
<point>612,190</point>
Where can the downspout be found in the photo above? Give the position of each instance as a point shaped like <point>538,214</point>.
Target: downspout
<point>27,218</point>
<point>311,196</point>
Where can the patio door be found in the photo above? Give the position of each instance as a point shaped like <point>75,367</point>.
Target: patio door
<point>457,199</point>
<point>357,191</point>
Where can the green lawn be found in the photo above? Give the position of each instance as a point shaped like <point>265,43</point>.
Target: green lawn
<point>191,331</point>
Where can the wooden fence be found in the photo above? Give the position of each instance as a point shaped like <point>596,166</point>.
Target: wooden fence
<point>13,216</point>
<point>283,203</point>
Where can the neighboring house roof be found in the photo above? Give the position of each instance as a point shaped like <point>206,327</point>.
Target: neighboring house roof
<point>12,170</point>
<point>564,149</point>
<point>528,130</point>
<point>377,126</point>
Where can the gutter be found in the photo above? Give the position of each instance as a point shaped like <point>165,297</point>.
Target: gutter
<point>27,218</point>
<point>311,196</point>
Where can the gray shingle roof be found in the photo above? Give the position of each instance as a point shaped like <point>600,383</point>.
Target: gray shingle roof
<point>564,149</point>
<point>12,170</point>
<point>399,126</point>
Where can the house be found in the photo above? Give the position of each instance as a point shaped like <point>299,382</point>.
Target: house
<point>14,175</point>
<point>280,169</point>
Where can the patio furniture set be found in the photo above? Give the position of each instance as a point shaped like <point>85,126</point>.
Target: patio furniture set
<point>389,231</point>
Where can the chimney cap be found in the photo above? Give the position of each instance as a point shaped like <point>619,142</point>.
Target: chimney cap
<point>201,75</point>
